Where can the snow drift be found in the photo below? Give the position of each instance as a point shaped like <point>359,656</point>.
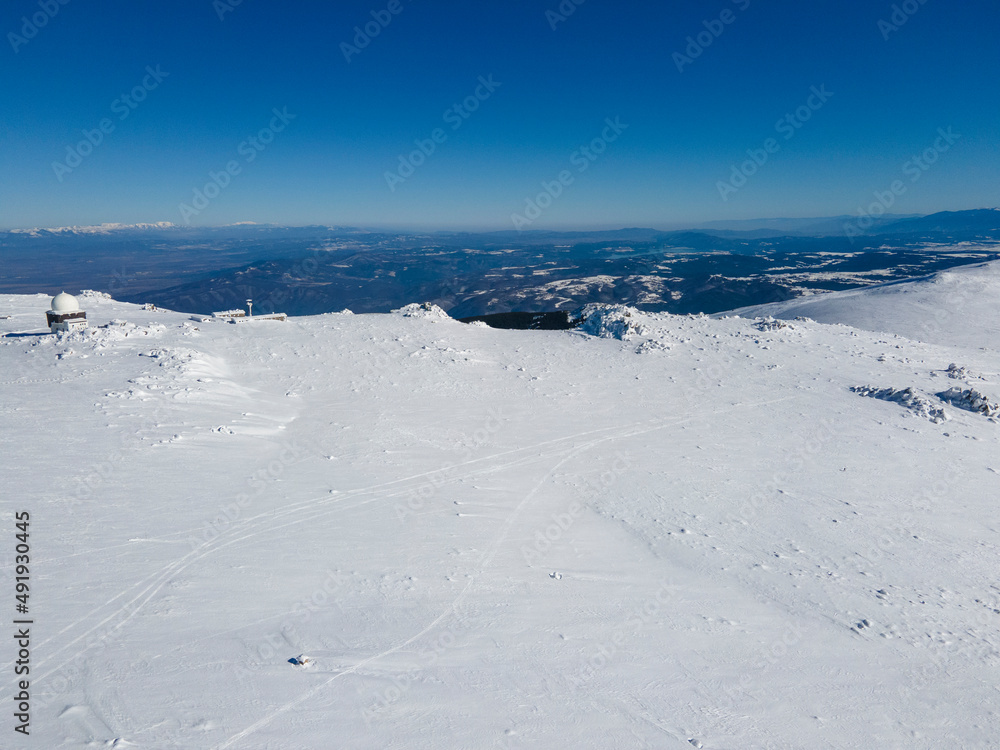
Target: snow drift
<point>959,306</point>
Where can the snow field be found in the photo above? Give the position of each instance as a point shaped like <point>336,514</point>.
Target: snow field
<point>661,531</point>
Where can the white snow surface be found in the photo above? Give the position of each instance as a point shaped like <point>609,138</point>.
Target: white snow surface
<point>958,306</point>
<point>400,531</point>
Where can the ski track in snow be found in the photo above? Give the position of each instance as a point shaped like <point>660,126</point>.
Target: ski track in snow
<point>155,582</point>
<point>484,564</point>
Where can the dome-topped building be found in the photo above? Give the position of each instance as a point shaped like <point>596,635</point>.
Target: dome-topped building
<point>65,314</point>
<point>65,303</point>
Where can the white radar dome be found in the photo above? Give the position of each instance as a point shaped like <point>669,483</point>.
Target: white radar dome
<point>65,303</point>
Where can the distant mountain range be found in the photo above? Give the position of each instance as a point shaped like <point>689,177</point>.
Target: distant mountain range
<point>980,220</point>
<point>95,229</point>
<point>168,230</point>
<point>976,220</point>
<point>317,269</point>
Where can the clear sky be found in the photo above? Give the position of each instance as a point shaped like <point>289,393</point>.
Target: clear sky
<point>184,88</point>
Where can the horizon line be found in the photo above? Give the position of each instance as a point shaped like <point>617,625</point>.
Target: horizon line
<point>566,229</point>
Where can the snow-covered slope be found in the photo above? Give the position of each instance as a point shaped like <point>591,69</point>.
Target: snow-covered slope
<point>657,532</point>
<point>958,306</point>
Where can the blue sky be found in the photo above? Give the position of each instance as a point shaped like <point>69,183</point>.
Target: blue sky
<point>211,75</point>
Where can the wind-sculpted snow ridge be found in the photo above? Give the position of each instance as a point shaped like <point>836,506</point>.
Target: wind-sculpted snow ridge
<point>90,294</point>
<point>422,310</point>
<point>97,339</point>
<point>919,404</point>
<point>956,372</point>
<point>970,399</point>
<point>186,362</point>
<point>611,321</point>
<point>771,324</point>
<point>652,346</point>
<point>180,371</point>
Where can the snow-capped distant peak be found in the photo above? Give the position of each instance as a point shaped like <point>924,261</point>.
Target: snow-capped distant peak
<point>106,228</point>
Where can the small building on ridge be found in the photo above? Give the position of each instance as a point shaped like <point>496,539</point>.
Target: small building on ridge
<point>65,314</point>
